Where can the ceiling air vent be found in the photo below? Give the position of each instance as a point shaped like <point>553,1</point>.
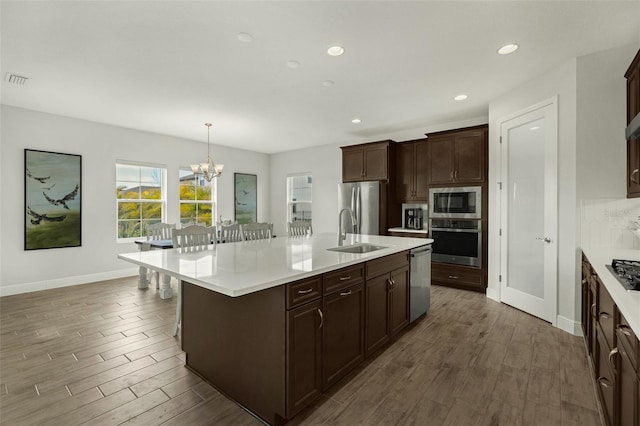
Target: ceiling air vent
<point>16,79</point>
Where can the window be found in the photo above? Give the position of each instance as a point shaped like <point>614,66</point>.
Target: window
<point>140,194</point>
<point>299,197</point>
<point>197,198</point>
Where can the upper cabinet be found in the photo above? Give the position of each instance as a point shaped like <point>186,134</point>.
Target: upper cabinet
<point>633,146</point>
<point>368,161</point>
<point>458,156</point>
<point>411,171</point>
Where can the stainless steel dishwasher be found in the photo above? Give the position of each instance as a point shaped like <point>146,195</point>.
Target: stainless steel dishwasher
<point>420,292</point>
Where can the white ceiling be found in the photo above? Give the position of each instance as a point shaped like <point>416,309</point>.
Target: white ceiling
<point>170,66</point>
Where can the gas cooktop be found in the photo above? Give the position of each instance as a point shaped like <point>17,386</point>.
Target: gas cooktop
<point>627,272</point>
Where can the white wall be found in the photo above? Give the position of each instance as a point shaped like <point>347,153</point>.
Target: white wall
<point>560,81</point>
<point>601,120</point>
<point>100,146</point>
<point>325,165</point>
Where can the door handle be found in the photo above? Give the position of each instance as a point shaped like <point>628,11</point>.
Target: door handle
<point>634,173</point>
<point>321,318</point>
<point>545,239</point>
<point>612,353</point>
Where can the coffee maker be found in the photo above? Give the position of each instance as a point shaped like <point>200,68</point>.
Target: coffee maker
<point>413,218</point>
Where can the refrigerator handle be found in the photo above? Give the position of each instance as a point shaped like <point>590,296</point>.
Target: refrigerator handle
<point>358,212</point>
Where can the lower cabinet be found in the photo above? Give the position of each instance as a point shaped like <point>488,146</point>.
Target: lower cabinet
<point>342,333</point>
<point>614,352</point>
<point>464,277</point>
<point>304,355</point>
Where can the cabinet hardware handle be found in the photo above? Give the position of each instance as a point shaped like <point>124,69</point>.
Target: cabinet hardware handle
<point>584,281</point>
<point>604,382</point>
<point>612,353</point>
<point>451,175</point>
<point>348,277</point>
<point>393,282</point>
<point>454,277</point>
<point>593,310</point>
<point>309,290</point>
<point>624,330</point>
<point>604,315</point>
<point>389,283</point>
<point>634,173</point>
<point>321,318</point>
<point>346,293</point>
<point>455,175</point>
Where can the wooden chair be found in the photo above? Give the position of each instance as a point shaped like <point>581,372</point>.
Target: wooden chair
<point>231,233</point>
<point>257,231</point>
<point>159,231</point>
<point>299,228</point>
<point>190,236</point>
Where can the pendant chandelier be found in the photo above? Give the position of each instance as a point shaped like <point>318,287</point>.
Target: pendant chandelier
<point>209,169</point>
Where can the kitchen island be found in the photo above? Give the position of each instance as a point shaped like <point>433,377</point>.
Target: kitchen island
<point>274,323</point>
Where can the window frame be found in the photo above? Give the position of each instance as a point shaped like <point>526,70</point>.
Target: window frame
<point>213,202</point>
<point>162,201</point>
<point>289,192</point>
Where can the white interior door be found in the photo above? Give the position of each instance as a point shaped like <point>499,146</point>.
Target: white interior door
<point>529,213</point>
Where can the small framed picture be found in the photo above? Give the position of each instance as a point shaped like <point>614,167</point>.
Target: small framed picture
<point>52,200</point>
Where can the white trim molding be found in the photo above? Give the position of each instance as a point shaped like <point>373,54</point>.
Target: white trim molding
<point>569,325</point>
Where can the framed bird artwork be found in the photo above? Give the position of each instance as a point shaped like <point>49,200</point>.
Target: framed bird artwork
<point>246,197</point>
<point>52,200</point>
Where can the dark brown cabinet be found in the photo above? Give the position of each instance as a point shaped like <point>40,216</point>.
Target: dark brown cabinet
<point>368,161</point>
<point>387,299</point>
<point>342,333</point>
<point>458,156</point>
<point>304,352</point>
<point>412,159</point>
<point>458,276</point>
<point>633,146</point>
<point>613,351</point>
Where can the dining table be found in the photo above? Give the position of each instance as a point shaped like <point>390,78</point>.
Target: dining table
<point>143,281</point>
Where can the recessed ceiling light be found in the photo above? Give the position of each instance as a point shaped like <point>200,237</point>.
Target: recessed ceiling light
<point>293,64</point>
<point>335,50</point>
<point>246,37</point>
<point>356,121</point>
<point>534,128</point>
<point>328,83</point>
<point>508,48</point>
<point>460,97</point>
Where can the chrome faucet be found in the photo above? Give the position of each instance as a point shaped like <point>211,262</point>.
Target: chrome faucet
<point>342,234</point>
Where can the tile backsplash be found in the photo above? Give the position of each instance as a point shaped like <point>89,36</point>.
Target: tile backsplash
<point>609,223</point>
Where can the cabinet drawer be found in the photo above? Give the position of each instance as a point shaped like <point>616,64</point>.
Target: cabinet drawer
<point>457,277</point>
<point>629,341</point>
<point>303,291</point>
<point>342,278</point>
<point>605,380</point>
<point>606,314</point>
<point>387,264</point>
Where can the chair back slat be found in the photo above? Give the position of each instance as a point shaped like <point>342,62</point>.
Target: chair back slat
<point>160,231</point>
<point>257,231</point>
<point>231,233</point>
<point>299,229</point>
<point>193,236</point>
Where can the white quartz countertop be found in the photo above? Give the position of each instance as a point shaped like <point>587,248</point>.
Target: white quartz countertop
<point>415,231</point>
<point>628,301</point>
<point>245,267</point>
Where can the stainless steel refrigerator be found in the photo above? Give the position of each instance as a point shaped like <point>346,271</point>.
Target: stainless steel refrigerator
<point>368,201</point>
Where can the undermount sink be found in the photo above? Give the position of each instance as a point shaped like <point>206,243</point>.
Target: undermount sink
<point>358,248</point>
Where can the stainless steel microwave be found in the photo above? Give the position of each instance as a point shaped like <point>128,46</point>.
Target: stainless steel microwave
<point>457,203</point>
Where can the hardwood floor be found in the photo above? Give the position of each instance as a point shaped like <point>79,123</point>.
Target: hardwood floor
<point>103,354</point>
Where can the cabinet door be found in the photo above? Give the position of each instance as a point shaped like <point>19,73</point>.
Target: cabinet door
<point>421,168</point>
<point>628,390</point>
<point>377,311</point>
<point>469,157</point>
<point>343,333</point>
<point>605,379</point>
<point>376,162</point>
<point>399,312</point>
<point>404,172</point>
<point>441,161</point>
<point>352,164</point>
<point>304,351</point>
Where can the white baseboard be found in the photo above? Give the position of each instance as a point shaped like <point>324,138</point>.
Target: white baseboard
<point>492,294</point>
<point>568,325</point>
<point>66,282</point>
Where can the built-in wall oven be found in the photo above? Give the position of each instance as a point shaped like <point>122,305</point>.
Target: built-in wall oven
<point>455,203</point>
<point>457,241</point>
